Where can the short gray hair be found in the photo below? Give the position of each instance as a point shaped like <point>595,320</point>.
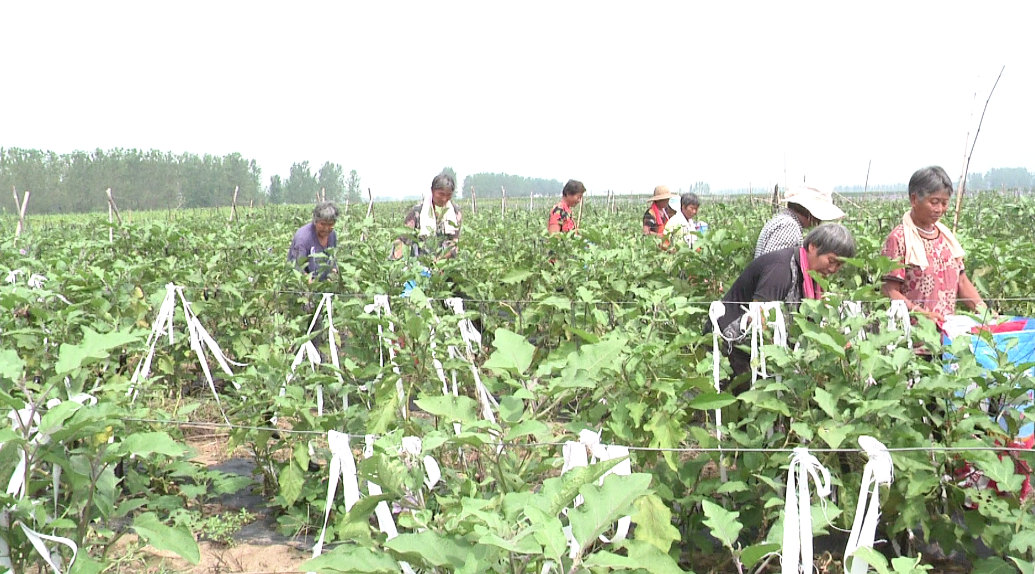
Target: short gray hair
<point>444,181</point>
<point>689,199</point>
<point>325,211</point>
<point>928,180</point>
<point>832,238</point>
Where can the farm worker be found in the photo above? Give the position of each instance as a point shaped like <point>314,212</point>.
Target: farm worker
<point>561,220</point>
<point>684,224</point>
<point>659,212</point>
<point>933,277</point>
<point>781,275</point>
<point>436,221</point>
<point>314,238</point>
<point>806,207</point>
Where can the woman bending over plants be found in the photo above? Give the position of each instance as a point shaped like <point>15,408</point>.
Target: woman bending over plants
<point>933,276</point>
<point>781,275</point>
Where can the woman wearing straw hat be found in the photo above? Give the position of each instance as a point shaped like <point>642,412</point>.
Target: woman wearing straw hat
<point>659,212</point>
<point>806,207</point>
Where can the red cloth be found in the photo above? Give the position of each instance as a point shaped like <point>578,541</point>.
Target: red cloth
<point>1007,327</point>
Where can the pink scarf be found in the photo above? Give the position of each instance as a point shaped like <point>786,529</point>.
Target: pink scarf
<point>658,213</point>
<point>811,288</point>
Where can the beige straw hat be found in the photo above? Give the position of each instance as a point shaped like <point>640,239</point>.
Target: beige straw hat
<point>819,203</point>
<point>662,192</point>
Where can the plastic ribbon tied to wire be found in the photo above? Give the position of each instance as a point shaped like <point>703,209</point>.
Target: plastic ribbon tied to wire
<point>200,341</point>
<point>580,453</point>
<point>755,318</point>
<point>715,312</point>
<point>879,470</point>
<point>797,510</point>
<point>26,421</point>
<point>309,351</point>
<point>379,306</point>
<point>473,340</point>
<point>898,319</point>
<point>343,466</point>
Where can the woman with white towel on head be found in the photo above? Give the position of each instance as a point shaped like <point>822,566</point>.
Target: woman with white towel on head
<point>437,222</point>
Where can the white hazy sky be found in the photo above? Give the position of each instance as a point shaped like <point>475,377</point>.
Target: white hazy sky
<point>622,95</point>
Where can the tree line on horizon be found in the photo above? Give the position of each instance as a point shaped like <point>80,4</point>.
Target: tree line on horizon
<point>154,180</point>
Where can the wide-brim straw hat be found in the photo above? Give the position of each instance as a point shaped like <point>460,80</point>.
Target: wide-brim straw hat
<point>819,203</point>
<point>662,192</point>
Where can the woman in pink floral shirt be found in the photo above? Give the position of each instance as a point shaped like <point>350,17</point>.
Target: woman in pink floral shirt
<point>933,277</point>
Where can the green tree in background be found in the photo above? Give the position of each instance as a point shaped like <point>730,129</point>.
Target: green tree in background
<point>352,187</point>
<point>276,191</point>
<point>701,188</point>
<point>301,185</point>
<point>331,180</point>
<point>490,184</point>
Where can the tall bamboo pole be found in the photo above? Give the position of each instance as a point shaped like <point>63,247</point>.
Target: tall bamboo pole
<point>962,187</point>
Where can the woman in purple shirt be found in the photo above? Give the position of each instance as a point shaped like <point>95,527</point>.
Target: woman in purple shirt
<point>315,238</point>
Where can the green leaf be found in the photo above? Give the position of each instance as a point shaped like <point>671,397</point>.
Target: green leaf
<point>11,365</point>
<point>834,434</point>
<point>993,565</point>
<point>1023,541</point>
<point>94,346</point>
<point>1025,566</point>
<point>666,432</point>
<point>548,532</point>
<point>512,352</point>
<point>515,276</point>
<point>558,493</point>
<point>826,341</point>
<point>454,409</point>
<point>711,401</point>
<point>524,428</point>
<point>585,365</point>
<point>511,409</point>
<point>431,548</point>
<point>162,537</point>
<point>605,504</point>
<point>647,557</point>
<point>723,524</point>
<point>520,544</point>
<point>654,522</point>
<point>147,443</point>
<point>291,482</point>
<point>752,554</point>
<point>351,559</point>
<point>1002,471</point>
<point>875,559</point>
<point>827,402</point>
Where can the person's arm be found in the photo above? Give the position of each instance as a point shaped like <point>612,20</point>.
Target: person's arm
<point>892,289</point>
<point>968,293</point>
<point>553,225</point>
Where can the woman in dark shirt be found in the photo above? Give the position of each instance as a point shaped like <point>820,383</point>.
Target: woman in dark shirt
<point>781,275</point>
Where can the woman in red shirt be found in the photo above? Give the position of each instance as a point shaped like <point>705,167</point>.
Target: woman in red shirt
<point>561,220</point>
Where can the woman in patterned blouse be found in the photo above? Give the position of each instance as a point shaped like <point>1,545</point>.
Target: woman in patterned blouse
<point>933,275</point>
<point>561,220</point>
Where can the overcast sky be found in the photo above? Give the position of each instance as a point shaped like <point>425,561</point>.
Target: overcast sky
<point>622,95</point>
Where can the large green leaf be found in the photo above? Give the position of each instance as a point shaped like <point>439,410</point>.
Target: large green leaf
<point>548,532</point>
<point>993,565</point>
<point>605,504</point>
<point>11,365</point>
<point>94,346</point>
<point>723,524</point>
<point>290,482</point>
<point>711,401</point>
<point>752,554</point>
<point>349,559</point>
<point>654,522</point>
<point>174,539</point>
<point>558,493</point>
<point>431,548</point>
<point>454,409</point>
<point>512,352</point>
<point>148,443</point>
<point>1002,471</point>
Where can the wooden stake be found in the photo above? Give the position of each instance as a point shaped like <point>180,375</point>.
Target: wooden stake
<point>370,207</point>
<point>776,197</point>
<point>503,210</point>
<point>578,221</point>
<point>530,201</point>
<point>966,166</point>
<point>111,229</point>
<point>111,203</point>
<point>347,198</point>
<point>233,205</point>
<point>474,201</point>
<point>21,210</point>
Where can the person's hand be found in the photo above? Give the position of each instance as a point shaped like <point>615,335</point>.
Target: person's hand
<point>932,315</point>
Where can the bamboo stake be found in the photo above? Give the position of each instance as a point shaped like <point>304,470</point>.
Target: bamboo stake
<point>966,166</point>
<point>578,221</point>
<point>233,205</point>
<point>866,185</point>
<point>370,212</point>
<point>474,201</point>
<point>530,202</point>
<point>347,198</point>
<point>503,210</point>
<point>111,229</point>
<point>776,197</point>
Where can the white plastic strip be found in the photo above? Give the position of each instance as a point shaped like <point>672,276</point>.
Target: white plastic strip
<point>380,305</point>
<point>898,318</point>
<point>715,311</point>
<point>473,339</point>
<point>385,522</point>
<point>52,560</point>
<point>342,465</point>
<point>589,449</point>
<point>878,470</point>
<point>797,510</point>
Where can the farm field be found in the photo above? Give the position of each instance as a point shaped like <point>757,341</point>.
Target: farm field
<point>600,332</point>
